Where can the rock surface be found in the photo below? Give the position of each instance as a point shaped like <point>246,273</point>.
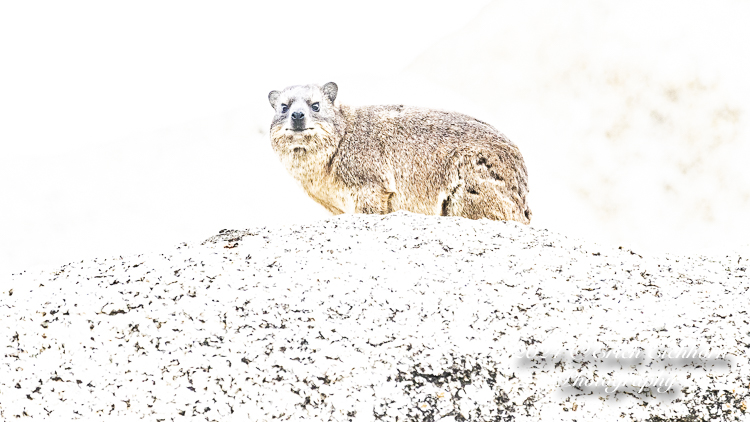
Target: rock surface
<point>400,318</point>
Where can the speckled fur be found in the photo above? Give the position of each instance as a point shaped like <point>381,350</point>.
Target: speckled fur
<point>380,159</point>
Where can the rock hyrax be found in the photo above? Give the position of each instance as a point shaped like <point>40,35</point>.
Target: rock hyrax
<point>380,159</point>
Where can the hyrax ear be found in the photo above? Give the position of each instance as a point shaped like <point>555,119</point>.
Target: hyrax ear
<point>273,97</point>
<point>331,89</point>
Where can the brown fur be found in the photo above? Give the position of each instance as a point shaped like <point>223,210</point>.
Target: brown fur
<point>380,159</point>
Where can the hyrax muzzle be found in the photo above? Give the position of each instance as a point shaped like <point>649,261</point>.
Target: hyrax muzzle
<point>298,119</point>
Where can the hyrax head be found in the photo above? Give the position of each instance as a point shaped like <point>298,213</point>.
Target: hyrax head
<point>303,110</point>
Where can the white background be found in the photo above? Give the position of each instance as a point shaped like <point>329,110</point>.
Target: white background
<point>128,127</point>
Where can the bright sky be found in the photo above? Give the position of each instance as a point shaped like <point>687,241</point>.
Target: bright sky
<point>81,71</point>
<point>142,124</point>
<point>86,86</point>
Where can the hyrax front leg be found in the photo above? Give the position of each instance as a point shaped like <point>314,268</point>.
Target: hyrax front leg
<point>374,200</point>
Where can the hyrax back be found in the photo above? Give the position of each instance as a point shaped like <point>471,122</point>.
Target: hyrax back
<point>380,159</point>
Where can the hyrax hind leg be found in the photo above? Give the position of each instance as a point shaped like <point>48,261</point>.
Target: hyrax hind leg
<point>489,185</point>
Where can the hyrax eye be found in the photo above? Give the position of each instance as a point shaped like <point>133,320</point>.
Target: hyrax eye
<point>284,108</point>
<point>315,107</point>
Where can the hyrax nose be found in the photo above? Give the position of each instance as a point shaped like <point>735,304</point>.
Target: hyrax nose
<point>298,115</point>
